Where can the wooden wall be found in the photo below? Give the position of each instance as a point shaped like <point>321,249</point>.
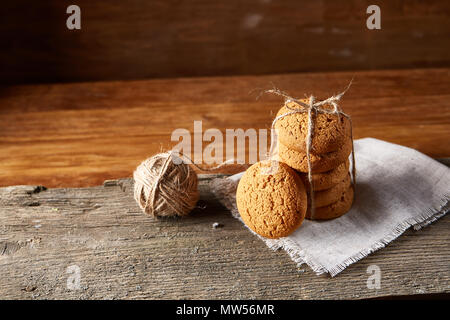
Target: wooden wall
<point>133,39</point>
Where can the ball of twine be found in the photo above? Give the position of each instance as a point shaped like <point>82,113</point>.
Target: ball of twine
<point>165,186</point>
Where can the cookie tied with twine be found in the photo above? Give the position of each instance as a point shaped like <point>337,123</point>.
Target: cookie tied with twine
<point>165,186</point>
<point>311,108</point>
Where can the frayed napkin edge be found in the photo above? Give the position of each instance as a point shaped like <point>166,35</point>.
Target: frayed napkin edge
<point>423,220</point>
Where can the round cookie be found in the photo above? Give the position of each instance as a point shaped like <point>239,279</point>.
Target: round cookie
<point>319,162</point>
<point>335,209</point>
<point>326,180</point>
<point>330,130</point>
<point>329,196</point>
<point>273,205</point>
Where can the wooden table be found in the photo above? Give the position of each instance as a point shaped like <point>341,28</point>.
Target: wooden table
<point>74,135</point>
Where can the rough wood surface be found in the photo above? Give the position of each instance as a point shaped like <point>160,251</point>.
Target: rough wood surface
<point>138,39</point>
<point>122,253</point>
<point>79,134</point>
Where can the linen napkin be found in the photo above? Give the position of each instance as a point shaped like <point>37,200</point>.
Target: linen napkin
<point>397,188</point>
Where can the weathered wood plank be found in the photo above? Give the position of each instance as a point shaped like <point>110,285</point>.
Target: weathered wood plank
<point>122,253</point>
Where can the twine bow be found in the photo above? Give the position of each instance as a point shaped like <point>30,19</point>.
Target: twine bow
<point>309,108</point>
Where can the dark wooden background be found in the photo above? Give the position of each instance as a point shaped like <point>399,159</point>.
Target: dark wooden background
<point>138,39</point>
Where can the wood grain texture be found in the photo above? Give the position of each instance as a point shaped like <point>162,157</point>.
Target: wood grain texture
<point>81,134</point>
<point>138,39</point>
<point>123,254</point>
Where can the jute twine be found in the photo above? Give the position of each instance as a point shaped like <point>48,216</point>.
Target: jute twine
<point>312,107</point>
<point>165,186</point>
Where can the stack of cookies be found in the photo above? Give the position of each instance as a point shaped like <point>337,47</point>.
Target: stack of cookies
<point>272,196</point>
<point>331,145</point>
